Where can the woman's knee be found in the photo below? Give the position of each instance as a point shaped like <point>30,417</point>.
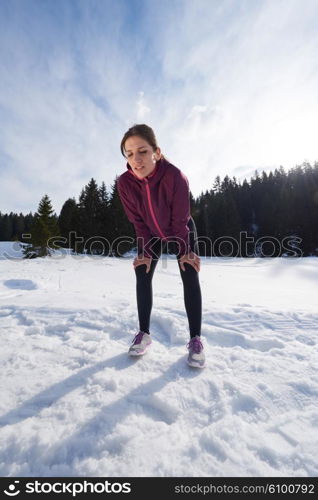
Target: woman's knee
<point>190,274</point>
<point>142,275</point>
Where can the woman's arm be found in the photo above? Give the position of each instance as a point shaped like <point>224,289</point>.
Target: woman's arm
<point>179,221</point>
<point>142,231</point>
<point>180,212</point>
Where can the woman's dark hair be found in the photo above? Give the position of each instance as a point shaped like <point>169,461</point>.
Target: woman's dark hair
<point>142,131</point>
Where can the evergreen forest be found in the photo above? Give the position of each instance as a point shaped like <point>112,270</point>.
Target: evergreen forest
<point>272,214</point>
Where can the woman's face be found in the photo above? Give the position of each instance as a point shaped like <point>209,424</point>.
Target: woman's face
<point>140,156</point>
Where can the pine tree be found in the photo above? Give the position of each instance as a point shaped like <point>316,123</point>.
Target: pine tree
<point>104,215</point>
<point>6,228</point>
<point>68,221</point>
<point>245,208</point>
<point>18,226</point>
<point>89,207</point>
<point>120,226</point>
<point>204,219</point>
<point>44,227</point>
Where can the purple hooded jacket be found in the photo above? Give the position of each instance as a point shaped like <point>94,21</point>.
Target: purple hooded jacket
<point>157,206</point>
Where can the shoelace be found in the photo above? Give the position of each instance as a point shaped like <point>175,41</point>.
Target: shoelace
<point>138,338</point>
<point>195,345</point>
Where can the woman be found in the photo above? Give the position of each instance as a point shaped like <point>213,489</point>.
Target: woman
<point>155,197</point>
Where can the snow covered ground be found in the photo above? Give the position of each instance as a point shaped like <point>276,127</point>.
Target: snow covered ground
<point>74,404</point>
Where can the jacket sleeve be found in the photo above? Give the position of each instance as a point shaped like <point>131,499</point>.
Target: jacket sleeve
<point>142,231</point>
<point>180,213</point>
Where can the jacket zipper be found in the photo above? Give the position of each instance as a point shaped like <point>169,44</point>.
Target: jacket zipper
<point>150,205</point>
<point>151,210</point>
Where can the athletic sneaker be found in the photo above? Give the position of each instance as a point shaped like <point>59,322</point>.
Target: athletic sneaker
<point>196,356</point>
<point>140,344</point>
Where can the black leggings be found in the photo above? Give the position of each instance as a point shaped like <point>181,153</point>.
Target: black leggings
<point>191,288</point>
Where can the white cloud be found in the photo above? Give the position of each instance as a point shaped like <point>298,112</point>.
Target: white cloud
<point>225,85</point>
<point>142,109</point>
<point>247,88</point>
<point>61,123</point>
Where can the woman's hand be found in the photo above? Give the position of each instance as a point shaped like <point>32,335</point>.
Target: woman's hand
<point>192,259</point>
<point>140,260</point>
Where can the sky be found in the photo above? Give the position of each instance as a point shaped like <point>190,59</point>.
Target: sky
<point>229,87</point>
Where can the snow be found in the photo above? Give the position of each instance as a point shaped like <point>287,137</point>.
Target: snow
<point>74,404</point>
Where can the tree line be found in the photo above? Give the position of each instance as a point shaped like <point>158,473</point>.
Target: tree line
<point>273,214</point>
